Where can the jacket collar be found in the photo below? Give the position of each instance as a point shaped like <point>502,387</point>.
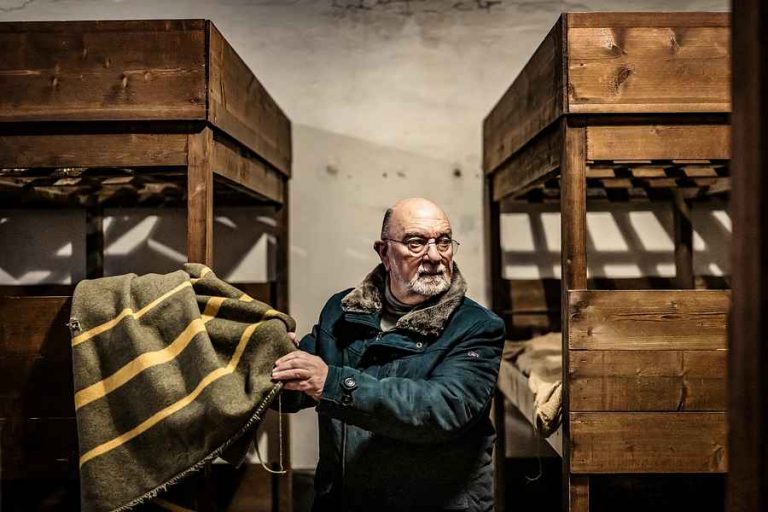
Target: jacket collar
<point>428,319</point>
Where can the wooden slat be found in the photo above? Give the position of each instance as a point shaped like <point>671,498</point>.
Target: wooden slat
<point>647,19</point>
<point>617,442</point>
<point>658,142</point>
<point>647,380</point>
<point>258,291</point>
<point>249,174</point>
<point>648,319</point>
<point>31,323</point>
<point>240,106</point>
<point>675,66</point>
<point>93,150</point>
<point>105,70</point>
<point>532,102</point>
<point>534,164</point>
<point>513,384</point>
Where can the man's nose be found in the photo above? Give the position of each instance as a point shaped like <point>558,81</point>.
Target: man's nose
<point>432,254</point>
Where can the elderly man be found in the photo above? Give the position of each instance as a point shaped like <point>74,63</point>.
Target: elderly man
<point>402,371</point>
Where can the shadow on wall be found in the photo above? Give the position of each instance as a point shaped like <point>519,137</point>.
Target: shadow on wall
<point>627,241</point>
<point>136,240</point>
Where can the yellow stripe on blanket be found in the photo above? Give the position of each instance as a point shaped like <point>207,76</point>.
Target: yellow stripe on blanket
<point>180,404</point>
<point>127,312</point>
<point>147,360</point>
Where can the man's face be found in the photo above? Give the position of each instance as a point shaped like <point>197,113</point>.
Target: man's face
<point>416,277</point>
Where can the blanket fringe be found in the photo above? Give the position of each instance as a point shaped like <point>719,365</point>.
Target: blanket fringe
<point>257,416</point>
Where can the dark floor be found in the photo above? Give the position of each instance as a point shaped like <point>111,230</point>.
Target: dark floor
<point>535,484</point>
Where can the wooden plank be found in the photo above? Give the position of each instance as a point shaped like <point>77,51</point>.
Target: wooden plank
<point>93,150</point>
<point>102,70</point>
<point>748,365</point>
<point>240,106</point>
<point>200,198</point>
<point>675,66</point>
<point>531,166</point>
<point>658,142</point>
<point>647,19</point>
<point>249,174</point>
<point>532,103</point>
<point>636,442</point>
<point>648,319</point>
<point>647,380</point>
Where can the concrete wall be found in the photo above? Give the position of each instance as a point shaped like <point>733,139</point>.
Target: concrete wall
<point>387,99</point>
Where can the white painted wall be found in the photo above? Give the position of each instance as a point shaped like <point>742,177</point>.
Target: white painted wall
<point>387,102</point>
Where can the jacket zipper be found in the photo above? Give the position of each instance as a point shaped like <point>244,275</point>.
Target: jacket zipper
<point>344,441</point>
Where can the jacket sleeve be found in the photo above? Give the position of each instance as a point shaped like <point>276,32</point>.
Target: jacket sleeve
<point>427,410</point>
<point>294,401</point>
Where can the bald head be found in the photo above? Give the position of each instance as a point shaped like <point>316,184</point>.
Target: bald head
<point>414,209</point>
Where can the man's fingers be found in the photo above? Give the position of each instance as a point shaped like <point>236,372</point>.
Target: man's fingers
<point>291,374</point>
<point>295,385</point>
<point>290,356</point>
<point>292,335</point>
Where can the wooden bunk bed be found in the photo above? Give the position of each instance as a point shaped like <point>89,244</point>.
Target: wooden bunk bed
<point>617,107</point>
<point>95,115</point>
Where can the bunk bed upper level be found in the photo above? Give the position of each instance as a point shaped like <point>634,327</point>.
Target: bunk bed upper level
<point>652,91</point>
<point>106,113</point>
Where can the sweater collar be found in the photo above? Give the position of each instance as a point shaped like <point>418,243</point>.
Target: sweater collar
<point>428,318</point>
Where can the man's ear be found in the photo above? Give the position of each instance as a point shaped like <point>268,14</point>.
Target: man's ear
<point>382,249</point>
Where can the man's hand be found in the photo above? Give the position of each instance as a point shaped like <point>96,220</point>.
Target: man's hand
<point>301,371</point>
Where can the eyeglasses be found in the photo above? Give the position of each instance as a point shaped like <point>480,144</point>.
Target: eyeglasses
<point>418,245</point>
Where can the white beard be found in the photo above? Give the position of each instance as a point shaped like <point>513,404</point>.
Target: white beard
<point>430,284</point>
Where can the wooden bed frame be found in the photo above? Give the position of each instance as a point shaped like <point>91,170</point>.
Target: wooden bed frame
<point>121,114</point>
<point>621,107</point>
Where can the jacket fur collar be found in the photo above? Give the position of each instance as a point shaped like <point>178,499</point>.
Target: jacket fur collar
<point>428,319</point>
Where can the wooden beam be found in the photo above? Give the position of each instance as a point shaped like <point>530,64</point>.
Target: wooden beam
<point>573,215</point>
<point>531,104</point>
<point>249,174</point>
<point>200,198</point>
<point>652,442</point>
<point>748,363</point>
<point>531,166</point>
<point>648,319</point>
<point>659,142</point>
<point>93,150</point>
<point>240,106</point>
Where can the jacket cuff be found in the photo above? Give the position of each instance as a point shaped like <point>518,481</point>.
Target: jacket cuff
<point>339,389</point>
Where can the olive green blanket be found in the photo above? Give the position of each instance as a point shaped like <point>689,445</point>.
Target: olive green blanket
<point>169,371</point>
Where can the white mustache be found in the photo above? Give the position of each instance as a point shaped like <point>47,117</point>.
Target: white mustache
<point>438,271</point>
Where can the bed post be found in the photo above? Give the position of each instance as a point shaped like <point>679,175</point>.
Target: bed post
<point>283,484</point>
<point>683,232</point>
<point>573,211</point>
<point>748,346</point>
<point>493,275</point>
<point>200,197</point>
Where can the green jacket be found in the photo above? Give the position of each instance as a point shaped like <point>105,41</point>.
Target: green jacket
<point>404,415</point>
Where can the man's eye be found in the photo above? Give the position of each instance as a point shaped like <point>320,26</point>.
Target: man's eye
<point>415,243</point>
<point>444,243</point>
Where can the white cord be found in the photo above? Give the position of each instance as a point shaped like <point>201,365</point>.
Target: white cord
<point>282,470</point>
